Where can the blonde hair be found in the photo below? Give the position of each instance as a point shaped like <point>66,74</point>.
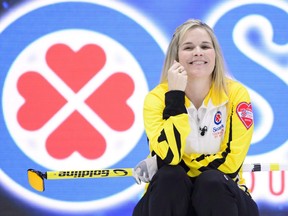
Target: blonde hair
<point>218,74</point>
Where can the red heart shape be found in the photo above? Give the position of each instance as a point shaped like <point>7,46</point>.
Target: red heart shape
<point>75,68</point>
<point>245,113</point>
<point>75,134</point>
<point>42,101</point>
<point>109,101</point>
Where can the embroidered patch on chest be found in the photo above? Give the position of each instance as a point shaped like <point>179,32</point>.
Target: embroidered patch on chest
<point>218,118</point>
<point>244,112</point>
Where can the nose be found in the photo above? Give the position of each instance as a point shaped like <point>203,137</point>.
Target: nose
<point>198,51</point>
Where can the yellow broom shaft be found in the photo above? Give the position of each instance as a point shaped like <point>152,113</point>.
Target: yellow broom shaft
<point>101,173</point>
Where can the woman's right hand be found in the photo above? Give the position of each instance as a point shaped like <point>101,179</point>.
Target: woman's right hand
<point>145,170</point>
<point>177,77</point>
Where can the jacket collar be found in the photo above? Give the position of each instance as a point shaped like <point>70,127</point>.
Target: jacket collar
<point>217,98</point>
<point>214,98</point>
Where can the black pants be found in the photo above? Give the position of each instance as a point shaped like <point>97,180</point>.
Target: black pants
<point>172,193</point>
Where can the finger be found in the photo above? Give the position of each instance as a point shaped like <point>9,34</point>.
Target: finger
<point>142,179</point>
<point>139,171</point>
<point>136,177</point>
<point>175,65</point>
<point>183,71</point>
<point>138,181</point>
<point>145,177</point>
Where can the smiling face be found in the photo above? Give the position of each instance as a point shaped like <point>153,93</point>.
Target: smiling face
<point>196,53</point>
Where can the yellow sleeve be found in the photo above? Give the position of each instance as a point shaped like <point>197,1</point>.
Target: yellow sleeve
<point>236,142</point>
<point>166,123</point>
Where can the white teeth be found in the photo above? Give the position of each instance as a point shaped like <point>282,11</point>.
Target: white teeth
<point>198,62</point>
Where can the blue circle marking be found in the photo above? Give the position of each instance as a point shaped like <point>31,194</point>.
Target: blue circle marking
<point>74,15</point>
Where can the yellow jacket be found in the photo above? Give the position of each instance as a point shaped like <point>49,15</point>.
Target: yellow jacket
<point>216,136</point>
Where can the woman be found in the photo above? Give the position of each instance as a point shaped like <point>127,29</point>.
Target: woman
<point>199,124</point>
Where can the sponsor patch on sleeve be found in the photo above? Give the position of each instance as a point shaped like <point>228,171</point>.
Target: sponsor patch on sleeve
<point>245,114</point>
